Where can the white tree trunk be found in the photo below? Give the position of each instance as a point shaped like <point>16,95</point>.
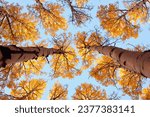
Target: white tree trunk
<point>12,54</point>
<point>138,62</point>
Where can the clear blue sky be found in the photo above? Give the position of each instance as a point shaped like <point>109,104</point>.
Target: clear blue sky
<point>73,83</point>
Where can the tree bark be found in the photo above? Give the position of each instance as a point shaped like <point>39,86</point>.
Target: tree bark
<point>135,61</point>
<point>12,54</point>
<point>138,62</point>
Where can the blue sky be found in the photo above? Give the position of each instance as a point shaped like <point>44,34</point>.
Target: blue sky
<point>84,77</point>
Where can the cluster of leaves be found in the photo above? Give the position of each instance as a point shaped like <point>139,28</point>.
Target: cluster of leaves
<point>50,16</point>
<point>146,93</point>
<point>84,45</point>
<point>64,64</point>
<point>105,71</point>
<point>136,9</point>
<point>17,26</point>
<point>81,3</point>
<point>123,22</point>
<point>89,92</point>
<point>130,82</point>
<point>27,69</point>
<point>29,90</point>
<point>79,11</point>
<point>58,92</point>
<point>115,21</point>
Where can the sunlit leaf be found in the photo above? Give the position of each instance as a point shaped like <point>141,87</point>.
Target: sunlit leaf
<point>84,44</point>
<point>51,17</point>
<point>58,92</point>
<point>17,26</point>
<point>64,64</point>
<point>105,71</point>
<point>116,23</point>
<point>145,95</point>
<point>89,92</point>
<point>31,90</point>
<point>130,82</point>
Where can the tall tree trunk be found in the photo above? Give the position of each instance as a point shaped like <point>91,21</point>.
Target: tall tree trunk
<point>138,62</point>
<point>12,54</point>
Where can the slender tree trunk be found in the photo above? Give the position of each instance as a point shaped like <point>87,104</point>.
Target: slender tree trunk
<point>12,54</point>
<point>138,62</point>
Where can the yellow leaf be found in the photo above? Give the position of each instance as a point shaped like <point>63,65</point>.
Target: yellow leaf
<point>17,26</point>
<point>89,92</point>
<point>130,82</point>
<point>145,93</point>
<point>104,71</point>
<point>31,90</point>
<point>81,3</point>
<point>64,64</point>
<point>51,18</point>
<point>58,92</point>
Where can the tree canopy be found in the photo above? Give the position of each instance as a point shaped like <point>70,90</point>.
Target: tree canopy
<point>44,41</point>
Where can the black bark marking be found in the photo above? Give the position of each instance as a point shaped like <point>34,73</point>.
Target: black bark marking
<point>6,54</point>
<point>22,52</point>
<point>110,54</point>
<point>143,75</point>
<point>120,54</point>
<point>13,46</point>
<point>146,51</point>
<point>124,63</point>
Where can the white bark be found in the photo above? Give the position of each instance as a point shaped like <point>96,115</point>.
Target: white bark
<point>12,54</point>
<point>138,62</point>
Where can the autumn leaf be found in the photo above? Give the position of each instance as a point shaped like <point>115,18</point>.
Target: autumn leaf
<point>81,3</point>
<point>84,44</point>
<point>17,26</point>
<point>33,66</point>
<point>31,90</point>
<point>42,0</point>
<point>64,64</point>
<point>136,10</point>
<point>145,95</point>
<point>51,18</point>
<point>105,71</point>
<point>58,92</point>
<point>116,23</point>
<point>14,72</point>
<point>89,92</point>
<point>130,82</point>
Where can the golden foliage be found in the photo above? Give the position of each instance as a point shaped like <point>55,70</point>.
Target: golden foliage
<point>104,71</point>
<point>89,92</point>
<point>31,90</point>
<point>134,13</point>
<point>84,45</point>
<point>81,3</point>
<point>145,95</point>
<point>33,66</point>
<point>130,82</point>
<point>116,23</point>
<point>29,67</point>
<point>14,72</point>
<point>51,18</point>
<point>42,0</point>
<point>58,92</point>
<point>64,64</point>
<point>17,26</point>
